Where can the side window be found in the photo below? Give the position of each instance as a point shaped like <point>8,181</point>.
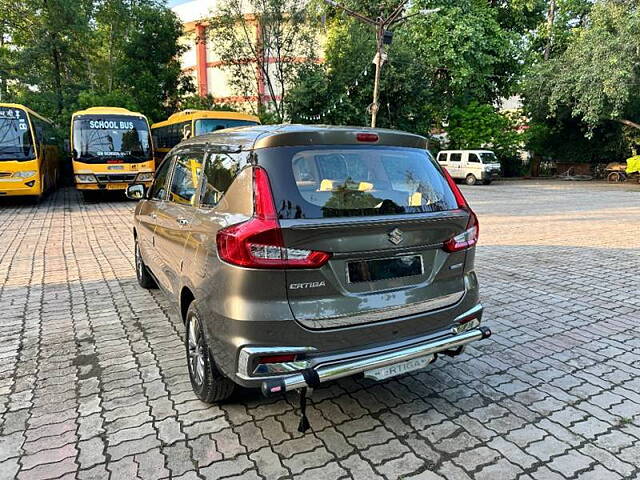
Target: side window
<point>474,158</point>
<point>184,182</point>
<point>455,157</point>
<point>158,190</point>
<point>442,157</point>
<point>220,169</point>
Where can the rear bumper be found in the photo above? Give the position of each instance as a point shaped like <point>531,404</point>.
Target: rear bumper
<point>314,376</point>
<point>329,360</point>
<point>492,175</point>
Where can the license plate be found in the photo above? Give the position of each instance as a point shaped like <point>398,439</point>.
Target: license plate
<point>384,268</point>
<point>398,368</point>
<point>116,186</point>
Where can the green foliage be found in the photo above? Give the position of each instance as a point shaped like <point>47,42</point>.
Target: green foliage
<point>261,53</point>
<point>579,99</point>
<point>62,55</point>
<point>477,126</point>
<point>468,51</point>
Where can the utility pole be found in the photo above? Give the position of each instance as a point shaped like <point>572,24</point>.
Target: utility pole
<point>383,37</point>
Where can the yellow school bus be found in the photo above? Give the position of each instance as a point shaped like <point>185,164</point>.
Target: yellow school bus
<point>111,149</point>
<point>179,126</point>
<point>29,152</point>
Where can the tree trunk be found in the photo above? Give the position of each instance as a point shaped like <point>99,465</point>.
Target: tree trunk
<point>551,17</point>
<point>57,72</point>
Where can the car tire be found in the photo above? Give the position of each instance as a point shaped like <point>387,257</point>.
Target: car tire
<point>208,383</point>
<point>145,280</point>
<point>470,179</point>
<point>486,182</point>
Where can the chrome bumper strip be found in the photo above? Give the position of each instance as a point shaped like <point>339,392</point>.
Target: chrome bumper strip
<point>324,373</point>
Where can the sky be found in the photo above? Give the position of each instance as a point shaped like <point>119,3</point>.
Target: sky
<point>173,3</point>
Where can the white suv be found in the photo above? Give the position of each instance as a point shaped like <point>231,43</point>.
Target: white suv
<point>471,165</point>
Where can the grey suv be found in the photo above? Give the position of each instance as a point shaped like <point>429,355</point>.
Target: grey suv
<point>298,255</point>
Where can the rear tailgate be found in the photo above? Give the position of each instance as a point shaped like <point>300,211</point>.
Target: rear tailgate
<point>383,213</point>
<point>369,278</point>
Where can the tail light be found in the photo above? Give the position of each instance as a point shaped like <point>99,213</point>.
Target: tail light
<point>469,237</point>
<point>258,242</point>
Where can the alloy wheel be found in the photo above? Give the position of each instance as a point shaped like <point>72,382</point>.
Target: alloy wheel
<point>196,351</point>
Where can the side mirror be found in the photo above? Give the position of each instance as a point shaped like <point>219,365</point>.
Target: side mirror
<point>136,192</point>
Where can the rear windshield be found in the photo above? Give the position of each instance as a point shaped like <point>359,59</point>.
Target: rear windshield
<point>345,181</point>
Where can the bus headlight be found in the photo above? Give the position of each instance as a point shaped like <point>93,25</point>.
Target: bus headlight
<point>25,174</point>
<point>86,179</point>
<point>144,177</point>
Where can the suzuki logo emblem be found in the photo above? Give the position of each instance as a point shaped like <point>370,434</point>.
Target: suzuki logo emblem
<point>395,236</point>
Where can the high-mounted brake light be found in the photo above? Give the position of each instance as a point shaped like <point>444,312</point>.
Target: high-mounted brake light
<point>367,137</point>
<point>469,237</point>
<point>258,242</point>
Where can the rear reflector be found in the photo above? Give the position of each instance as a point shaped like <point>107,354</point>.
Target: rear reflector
<point>278,358</point>
<point>367,137</point>
<point>258,242</point>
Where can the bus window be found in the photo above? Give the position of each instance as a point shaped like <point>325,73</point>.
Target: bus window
<point>207,125</point>
<point>16,142</point>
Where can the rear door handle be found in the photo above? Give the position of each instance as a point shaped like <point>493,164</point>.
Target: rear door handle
<point>154,216</point>
<point>182,221</point>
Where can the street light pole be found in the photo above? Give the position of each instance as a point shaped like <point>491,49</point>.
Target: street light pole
<point>376,82</point>
<point>381,25</point>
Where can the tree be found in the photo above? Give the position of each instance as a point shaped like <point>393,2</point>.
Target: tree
<point>478,125</point>
<point>435,63</point>
<point>61,55</point>
<point>47,39</point>
<point>588,83</point>
<point>150,69</point>
<point>263,44</point>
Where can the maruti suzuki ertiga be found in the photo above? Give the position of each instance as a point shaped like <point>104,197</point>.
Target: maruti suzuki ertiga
<point>301,254</point>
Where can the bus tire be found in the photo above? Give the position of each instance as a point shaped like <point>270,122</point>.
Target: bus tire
<point>89,196</point>
<point>470,179</point>
<point>145,280</point>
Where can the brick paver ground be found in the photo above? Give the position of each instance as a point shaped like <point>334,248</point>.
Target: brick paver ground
<point>93,382</point>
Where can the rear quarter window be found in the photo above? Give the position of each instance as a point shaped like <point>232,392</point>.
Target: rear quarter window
<point>342,181</point>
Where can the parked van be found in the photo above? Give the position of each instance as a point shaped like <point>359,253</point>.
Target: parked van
<point>471,165</point>
<point>301,254</point>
